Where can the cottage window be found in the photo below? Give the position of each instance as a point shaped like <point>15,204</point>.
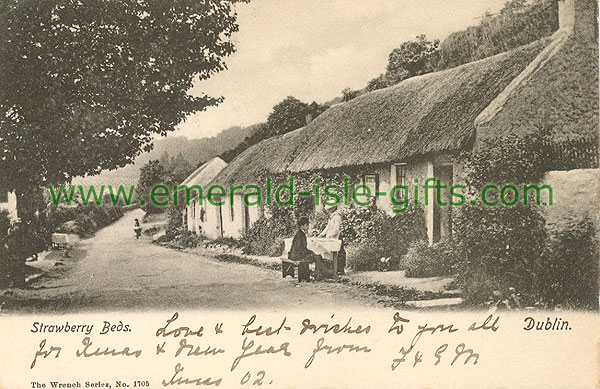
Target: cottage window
<point>400,172</point>
<point>372,182</point>
<point>3,196</point>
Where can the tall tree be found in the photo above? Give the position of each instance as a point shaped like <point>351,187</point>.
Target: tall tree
<point>378,82</point>
<point>411,59</point>
<point>178,169</point>
<point>287,115</point>
<point>518,23</point>
<point>151,174</point>
<point>349,94</point>
<point>85,84</point>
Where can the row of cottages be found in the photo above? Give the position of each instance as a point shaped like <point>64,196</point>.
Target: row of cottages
<point>202,218</point>
<point>416,129</point>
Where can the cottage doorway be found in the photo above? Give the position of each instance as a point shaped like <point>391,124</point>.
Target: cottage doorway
<point>219,221</point>
<point>442,214</point>
<point>191,224</point>
<point>246,211</point>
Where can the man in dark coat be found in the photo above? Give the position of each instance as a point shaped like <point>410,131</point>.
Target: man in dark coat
<point>300,252</point>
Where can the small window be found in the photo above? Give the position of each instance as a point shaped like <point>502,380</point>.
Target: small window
<point>400,171</point>
<point>3,196</point>
<point>372,181</point>
<point>231,210</point>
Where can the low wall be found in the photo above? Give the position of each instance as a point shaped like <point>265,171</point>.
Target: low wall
<point>576,195</point>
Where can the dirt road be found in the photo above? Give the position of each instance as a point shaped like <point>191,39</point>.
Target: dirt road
<point>114,271</point>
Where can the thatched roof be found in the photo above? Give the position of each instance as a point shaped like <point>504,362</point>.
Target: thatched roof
<point>421,115</point>
<point>561,95</point>
<point>205,173</point>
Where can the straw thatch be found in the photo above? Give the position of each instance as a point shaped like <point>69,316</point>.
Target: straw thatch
<point>561,96</point>
<point>421,115</point>
<point>205,173</point>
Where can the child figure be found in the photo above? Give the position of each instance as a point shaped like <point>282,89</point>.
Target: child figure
<point>137,229</point>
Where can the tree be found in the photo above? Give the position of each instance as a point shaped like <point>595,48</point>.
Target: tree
<point>291,114</point>
<point>151,174</point>
<point>349,94</point>
<point>315,109</point>
<point>177,170</point>
<point>411,59</point>
<point>165,160</point>
<point>502,245</point>
<point>84,85</point>
<point>518,23</point>
<point>259,133</point>
<point>378,82</point>
<point>512,6</point>
<point>288,115</point>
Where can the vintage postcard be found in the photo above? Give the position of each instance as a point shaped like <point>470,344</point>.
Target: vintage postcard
<point>299,194</point>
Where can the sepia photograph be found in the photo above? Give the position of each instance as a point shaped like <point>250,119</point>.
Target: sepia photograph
<point>239,157</point>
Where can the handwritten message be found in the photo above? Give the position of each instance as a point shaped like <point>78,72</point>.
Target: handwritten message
<point>197,351</point>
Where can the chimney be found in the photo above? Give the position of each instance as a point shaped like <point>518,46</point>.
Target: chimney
<point>580,16</point>
<point>566,14</point>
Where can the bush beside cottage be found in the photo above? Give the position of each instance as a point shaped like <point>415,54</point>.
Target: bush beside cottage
<point>82,220</point>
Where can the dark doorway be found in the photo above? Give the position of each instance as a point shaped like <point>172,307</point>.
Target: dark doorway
<point>246,211</point>
<point>442,214</point>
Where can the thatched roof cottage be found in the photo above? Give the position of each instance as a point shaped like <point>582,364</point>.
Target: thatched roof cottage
<point>413,130</point>
<point>195,217</point>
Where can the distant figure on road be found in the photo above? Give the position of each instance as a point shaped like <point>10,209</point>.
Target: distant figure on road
<point>137,229</point>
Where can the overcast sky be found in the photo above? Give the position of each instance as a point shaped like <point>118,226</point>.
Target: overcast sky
<point>312,49</point>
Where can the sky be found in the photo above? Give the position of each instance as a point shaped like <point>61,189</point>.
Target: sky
<point>313,49</point>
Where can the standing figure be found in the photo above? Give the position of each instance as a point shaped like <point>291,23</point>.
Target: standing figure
<point>332,231</point>
<point>137,229</point>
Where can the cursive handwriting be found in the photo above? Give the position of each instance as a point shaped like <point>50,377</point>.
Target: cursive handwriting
<point>330,350</point>
<point>178,331</point>
<point>486,326</point>
<point>258,351</point>
<point>460,350</point>
<point>246,329</point>
<point>399,328</point>
<point>45,354</point>
<point>422,329</point>
<point>87,343</point>
<point>335,328</point>
<point>175,380</point>
<point>191,351</point>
